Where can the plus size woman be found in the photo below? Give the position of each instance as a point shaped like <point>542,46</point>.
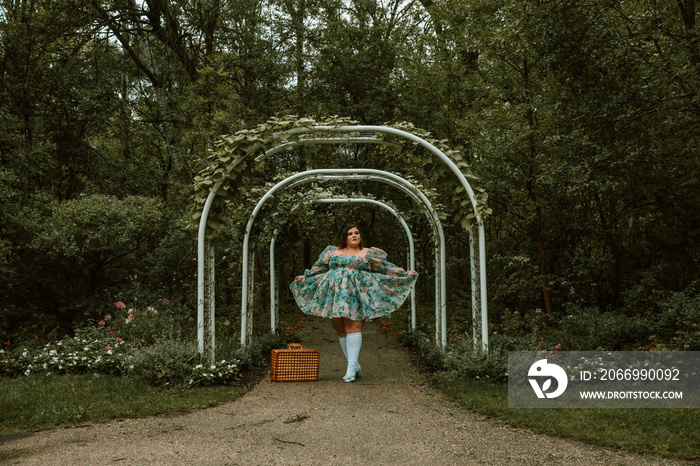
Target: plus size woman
<point>351,284</point>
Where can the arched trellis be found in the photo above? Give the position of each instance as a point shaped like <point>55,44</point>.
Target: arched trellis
<point>352,174</point>
<point>274,307</point>
<point>225,167</point>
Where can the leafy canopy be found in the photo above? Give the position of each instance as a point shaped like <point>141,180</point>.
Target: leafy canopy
<point>233,158</point>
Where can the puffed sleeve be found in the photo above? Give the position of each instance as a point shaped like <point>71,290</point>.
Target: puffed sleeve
<point>378,264</point>
<point>321,265</point>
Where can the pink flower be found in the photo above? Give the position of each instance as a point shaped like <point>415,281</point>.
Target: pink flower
<point>541,338</point>
<point>516,313</point>
<point>111,334</point>
<point>130,317</point>
<point>108,316</point>
<point>165,301</point>
<point>101,323</point>
<point>119,340</point>
<point>557,346</point>
<point>455,340</point>
<point>120,305</point>
<point>143,341</point>
<point>36,338</point>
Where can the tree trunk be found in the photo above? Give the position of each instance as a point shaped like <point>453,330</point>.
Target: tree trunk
<point>529,184</point>
<point>608,226</point>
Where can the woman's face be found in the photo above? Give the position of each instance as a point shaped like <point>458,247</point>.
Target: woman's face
<point>353,237</point>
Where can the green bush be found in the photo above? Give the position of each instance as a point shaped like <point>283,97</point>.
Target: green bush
<point>471,363</point>
<point>177,362</point>
<point>145,345</point>
<point>163,320</point>
<point>71,253</point>
<point>590,329</point>
<point>681,313</point>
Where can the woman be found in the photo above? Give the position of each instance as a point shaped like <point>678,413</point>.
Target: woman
<point>350,284</point>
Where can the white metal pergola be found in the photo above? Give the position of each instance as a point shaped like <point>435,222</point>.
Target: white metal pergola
<point>411,257</point>
<point>351,174</point>
<point>347,134</point>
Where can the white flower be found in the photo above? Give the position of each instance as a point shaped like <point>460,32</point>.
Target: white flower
<point>198,366</point>
<point>27,372</point>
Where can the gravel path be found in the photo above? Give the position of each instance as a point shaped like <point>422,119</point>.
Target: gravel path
<point>389,416</point>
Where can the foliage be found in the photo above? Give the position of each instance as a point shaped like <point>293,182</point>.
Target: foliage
<point>234,156</point>
<point>81,247</point>
<point>152,345</point>
<point>681,317</point>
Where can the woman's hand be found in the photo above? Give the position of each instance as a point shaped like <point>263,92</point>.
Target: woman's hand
<point>297,278</point>
<point>412,272</point>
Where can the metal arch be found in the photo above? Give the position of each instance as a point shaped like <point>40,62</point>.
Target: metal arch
<point>201,252</point>
<point>274,308</point>
<point>360,173</point>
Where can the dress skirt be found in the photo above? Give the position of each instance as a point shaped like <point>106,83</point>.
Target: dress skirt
<point>357,287</point>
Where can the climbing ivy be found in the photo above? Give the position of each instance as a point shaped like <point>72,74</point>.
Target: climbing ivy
<point>232,159</point>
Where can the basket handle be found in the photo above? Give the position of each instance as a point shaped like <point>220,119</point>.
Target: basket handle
<point>295,345</point>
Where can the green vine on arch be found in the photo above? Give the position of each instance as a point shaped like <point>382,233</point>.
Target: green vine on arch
<point>232,159</point>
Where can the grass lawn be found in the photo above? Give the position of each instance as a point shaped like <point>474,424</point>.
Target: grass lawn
<point>667,432</point>
<point>41,402</point>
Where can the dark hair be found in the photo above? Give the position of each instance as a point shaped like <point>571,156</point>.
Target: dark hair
<point>344,236</point>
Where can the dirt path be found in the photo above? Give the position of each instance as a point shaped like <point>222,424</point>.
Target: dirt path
<point>389,416</point>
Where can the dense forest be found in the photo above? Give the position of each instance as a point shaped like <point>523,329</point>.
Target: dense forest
<point>579,120</point>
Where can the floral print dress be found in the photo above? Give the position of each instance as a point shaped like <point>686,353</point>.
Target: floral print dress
<point>357,287</point>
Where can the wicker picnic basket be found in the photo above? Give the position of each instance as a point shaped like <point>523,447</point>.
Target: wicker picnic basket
<point>294,364</point>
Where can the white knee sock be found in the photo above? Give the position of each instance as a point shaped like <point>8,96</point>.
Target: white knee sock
<point>344,345</point>
<point>354,343</point>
